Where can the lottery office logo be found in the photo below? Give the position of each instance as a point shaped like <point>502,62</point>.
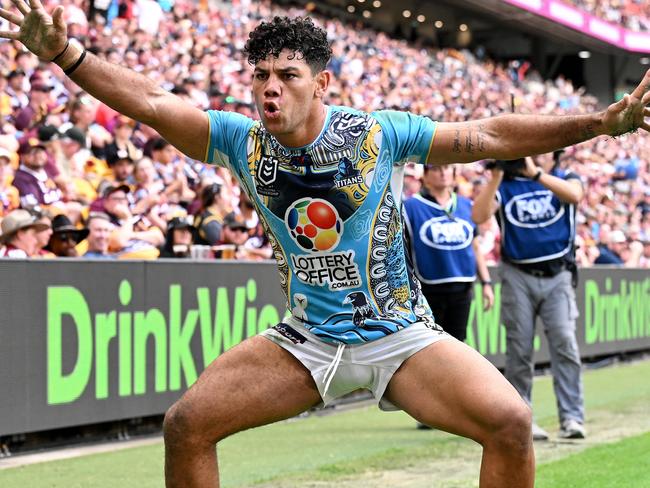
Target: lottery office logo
<point>314,224</point>
<point>534,209</point>
<point>448,235</point>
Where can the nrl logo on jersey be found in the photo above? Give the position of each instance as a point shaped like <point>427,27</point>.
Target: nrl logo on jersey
<point>266,174</point>
<point>442,233</point>
<point>534,209</point>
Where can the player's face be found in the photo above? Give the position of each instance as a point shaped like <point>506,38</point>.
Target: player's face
<point>288,97</point>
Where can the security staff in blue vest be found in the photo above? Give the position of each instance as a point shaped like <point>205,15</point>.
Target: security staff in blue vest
<point>536,212</point>
<point>444,249</point>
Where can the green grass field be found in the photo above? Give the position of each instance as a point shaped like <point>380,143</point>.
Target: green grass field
<point>623,464</point>
<point>362,447</point>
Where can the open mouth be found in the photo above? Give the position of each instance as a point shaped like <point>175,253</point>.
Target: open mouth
<point>271,110</point>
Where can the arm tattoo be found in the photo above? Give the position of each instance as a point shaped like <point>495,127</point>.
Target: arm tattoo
<point>456,147</point>
<point>480,138</point>
<point>469,145</point>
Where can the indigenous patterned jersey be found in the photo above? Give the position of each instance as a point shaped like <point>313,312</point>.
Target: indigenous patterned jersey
<point>331,211</point>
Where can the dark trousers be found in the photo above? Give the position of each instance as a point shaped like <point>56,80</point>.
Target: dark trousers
<point>450,309</point>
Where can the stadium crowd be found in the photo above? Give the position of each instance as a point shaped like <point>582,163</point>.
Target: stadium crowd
<point>631,14</point>
<point>107,187</point>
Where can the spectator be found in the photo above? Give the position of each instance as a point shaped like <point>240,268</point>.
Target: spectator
<point>258,243</point>
<point>99,231</point>
<point>171,169</point>
<point>234,232</point>
<point>122,147</point>
<point>43,236</point>
<point>133,237</point>
<point>19,229</point>
<point>179,238</point>
<point>210,222</point>
<point>39,106</point>
<point>9,197</point>
<point>611,247</point>
<point>16,89</point>
<point>65,237</point>
<point>32,181</point>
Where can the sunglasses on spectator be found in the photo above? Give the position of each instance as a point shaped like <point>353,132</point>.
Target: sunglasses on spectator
<point>66,236</point>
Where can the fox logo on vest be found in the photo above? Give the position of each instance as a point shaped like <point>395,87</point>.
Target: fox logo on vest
<point>445,234</point>
<point>534,209</point>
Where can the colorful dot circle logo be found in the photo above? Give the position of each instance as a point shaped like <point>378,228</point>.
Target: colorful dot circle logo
<point>314,224</point>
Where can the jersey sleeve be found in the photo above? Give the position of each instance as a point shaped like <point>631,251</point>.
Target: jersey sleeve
<point>228,134</point>
<point>410,135</point>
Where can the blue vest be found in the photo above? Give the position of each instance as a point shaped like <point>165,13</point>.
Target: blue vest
<point>441,242</point>
<point>535,225</point>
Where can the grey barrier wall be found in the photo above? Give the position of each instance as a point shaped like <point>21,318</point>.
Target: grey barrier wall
<point>86,341</point>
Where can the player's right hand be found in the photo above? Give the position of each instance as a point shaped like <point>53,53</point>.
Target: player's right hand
<point>42,34</point>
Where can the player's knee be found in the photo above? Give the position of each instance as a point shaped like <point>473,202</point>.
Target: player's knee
<point>180,426</point>
<point>513,433</point>
<point>174,424</point>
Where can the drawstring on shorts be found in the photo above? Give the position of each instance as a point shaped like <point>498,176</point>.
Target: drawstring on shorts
<point>331,369</point>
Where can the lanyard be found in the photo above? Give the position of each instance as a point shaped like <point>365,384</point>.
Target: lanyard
<point>451,206</point>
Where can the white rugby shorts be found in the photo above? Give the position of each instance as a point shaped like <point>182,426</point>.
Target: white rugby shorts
<point>346,368</point>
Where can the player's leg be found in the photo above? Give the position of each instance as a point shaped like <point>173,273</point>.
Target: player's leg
<point>255,383</point>
<point>451,387</point>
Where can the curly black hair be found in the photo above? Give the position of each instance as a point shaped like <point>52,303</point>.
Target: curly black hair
<point>298,35</point>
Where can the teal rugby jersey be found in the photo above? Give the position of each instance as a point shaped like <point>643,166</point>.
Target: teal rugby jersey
<point>331,211</point>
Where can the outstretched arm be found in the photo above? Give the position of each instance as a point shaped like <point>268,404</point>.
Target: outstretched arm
<point>515,136</point>
<point>126,91</point>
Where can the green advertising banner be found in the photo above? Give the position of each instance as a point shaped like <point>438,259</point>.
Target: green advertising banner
<point>83,342</point>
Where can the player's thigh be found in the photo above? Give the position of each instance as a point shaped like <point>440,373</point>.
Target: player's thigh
<point>255,383</point>
<point>450,386</point>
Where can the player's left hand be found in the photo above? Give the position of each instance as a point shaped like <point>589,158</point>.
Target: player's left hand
<point>488,297</point>
<point>629,113</point>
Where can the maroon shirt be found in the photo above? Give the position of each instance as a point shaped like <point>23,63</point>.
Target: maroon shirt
<point>35,188</point>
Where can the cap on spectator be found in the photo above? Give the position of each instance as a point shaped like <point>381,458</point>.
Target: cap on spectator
<point>28,144</point>
<point>48,133</point>
<point>75,134</point>
<point>235,221</point>
<point>17,220</point>
<point>62,224</point>
<point>181,222</point>
<point>617,237</point>
<point>111,188</point>
<point>14,73</point>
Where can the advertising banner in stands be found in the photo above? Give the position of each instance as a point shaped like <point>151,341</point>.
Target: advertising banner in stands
<point>577,19</point>
<point>84,342</point>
